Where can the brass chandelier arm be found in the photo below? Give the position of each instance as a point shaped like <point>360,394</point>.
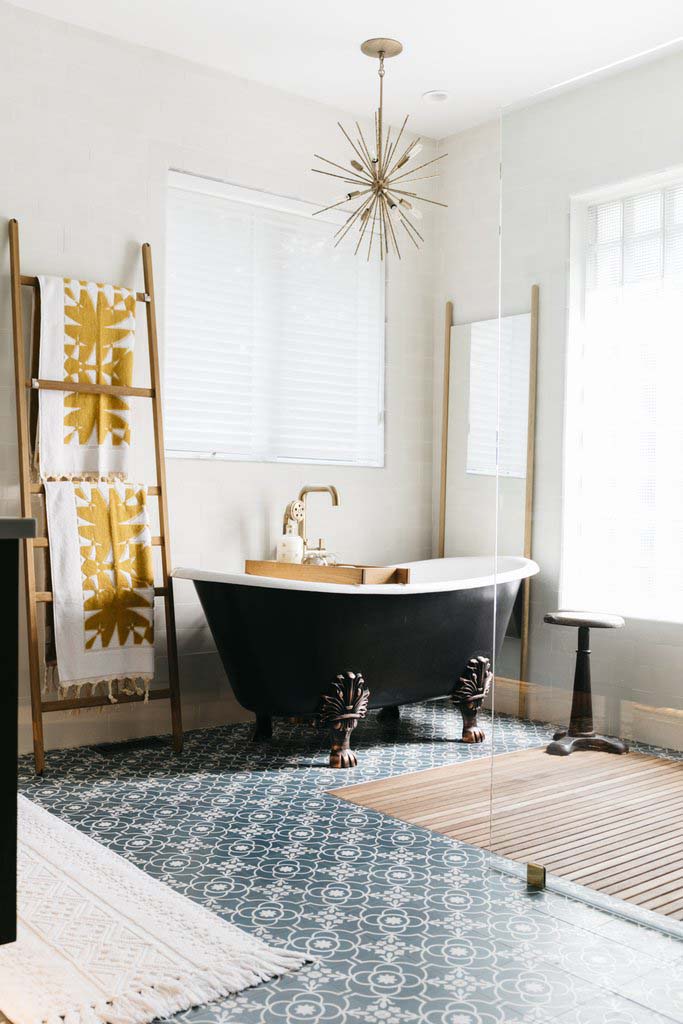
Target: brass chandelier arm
<point>344,230</point>
<point>410,227</point>
<point>385,226</point>
<point>353,216</point>
<point>364,227</point>
<point>410,230</point>
<point>340,177</point>
<point>393,235</point>
<point>385,155</point>
<point>357,176</point>
<point>341,202</point>
<point>381,230</point>
<point>394,147</point>
<point>420,166</point>
<point>355,148</point>
<point>364,144</point>
<point>421,177</point>
<point>374,224</point>
<point>414,195</point>
<point>404,156</point>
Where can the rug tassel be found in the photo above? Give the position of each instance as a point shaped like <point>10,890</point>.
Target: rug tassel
<point>173,994</point>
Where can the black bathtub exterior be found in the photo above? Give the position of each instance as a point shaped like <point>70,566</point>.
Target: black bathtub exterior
<point>281,647</point>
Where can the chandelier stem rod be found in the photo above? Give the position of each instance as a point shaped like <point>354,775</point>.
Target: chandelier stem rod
<point>381,102</point>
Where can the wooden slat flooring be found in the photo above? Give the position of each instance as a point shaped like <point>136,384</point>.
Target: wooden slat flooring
<point>612,823</point>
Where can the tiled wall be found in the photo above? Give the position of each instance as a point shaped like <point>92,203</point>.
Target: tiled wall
<point>89,128</point>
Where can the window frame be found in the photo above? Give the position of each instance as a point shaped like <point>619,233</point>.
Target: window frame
<point>190,181</point>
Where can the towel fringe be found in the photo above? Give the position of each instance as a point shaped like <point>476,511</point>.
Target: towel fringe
<point>88,478</point>
<point>138,686</point>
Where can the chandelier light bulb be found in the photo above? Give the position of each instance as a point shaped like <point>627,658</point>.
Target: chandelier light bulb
<point>379,178</point>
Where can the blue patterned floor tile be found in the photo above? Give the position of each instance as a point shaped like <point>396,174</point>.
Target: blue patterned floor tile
<point>404,926</point>
<point>665,948</point>
<point>595,957</point>
<point>612,1009</point>
<point>661,991</point>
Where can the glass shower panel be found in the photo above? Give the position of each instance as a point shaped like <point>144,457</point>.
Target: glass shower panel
<point>588,703</point>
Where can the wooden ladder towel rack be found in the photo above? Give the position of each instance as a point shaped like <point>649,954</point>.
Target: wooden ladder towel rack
<point>26,428</point>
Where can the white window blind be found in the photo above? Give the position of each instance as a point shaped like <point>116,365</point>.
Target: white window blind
<point>499,420</point>
<point>274,338</point>
<point>623,493</point>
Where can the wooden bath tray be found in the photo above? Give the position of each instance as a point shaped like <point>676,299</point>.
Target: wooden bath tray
<point>348,574</point>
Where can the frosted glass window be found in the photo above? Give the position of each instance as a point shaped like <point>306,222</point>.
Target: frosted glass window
<point>623,486</point>
<point>274,339</point>
<point>498,435</point>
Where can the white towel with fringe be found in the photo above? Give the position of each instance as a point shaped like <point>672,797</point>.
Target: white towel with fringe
<point>101,942</point>
<point>102,583</point>
<point>87,334</point>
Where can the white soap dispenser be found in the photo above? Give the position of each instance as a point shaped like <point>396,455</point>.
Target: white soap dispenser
<point>290,546</point>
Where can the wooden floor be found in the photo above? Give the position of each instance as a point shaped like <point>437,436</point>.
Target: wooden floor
<point>612,823</point>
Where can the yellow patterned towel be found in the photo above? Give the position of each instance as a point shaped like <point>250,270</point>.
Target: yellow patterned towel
<point>102,582</point>
<point>87,333</point>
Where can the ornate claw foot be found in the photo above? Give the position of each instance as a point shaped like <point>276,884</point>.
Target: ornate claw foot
<point>342,710</point>
<point>469,695</point>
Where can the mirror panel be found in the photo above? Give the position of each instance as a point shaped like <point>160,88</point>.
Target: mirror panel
<point>489,449</point>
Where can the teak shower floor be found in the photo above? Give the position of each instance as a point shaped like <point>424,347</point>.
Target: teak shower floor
<point>610,822</point>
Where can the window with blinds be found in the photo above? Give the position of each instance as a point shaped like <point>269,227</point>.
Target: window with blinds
<point>498,406</point>
<point>274,338</point>
<point>623,488</point>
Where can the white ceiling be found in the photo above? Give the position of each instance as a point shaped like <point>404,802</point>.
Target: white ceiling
<point>486,53</point>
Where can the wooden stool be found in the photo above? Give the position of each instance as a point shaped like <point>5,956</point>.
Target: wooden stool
<point>580,735</point>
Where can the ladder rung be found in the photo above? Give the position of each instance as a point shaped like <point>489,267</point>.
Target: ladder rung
<point>32,282</point>
<point>154,491</point>
<point>42,542</point>
<point>91,389</point>
<point>101,702</point>
<point>45,596</point>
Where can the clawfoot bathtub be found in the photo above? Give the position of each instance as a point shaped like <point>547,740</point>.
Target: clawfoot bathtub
<point>330,651</point>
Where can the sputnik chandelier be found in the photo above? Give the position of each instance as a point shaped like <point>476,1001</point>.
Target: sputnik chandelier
<point>379,176</point>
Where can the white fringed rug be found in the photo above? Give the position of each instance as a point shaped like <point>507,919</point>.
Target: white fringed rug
<point>100,942</point>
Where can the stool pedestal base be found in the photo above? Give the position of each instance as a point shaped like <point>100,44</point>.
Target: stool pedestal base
<point>563,744</point>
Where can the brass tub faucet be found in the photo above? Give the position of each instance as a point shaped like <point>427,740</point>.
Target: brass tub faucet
<point>324,489</point>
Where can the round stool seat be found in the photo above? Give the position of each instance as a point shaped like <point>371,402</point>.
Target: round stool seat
<point>595,620</point>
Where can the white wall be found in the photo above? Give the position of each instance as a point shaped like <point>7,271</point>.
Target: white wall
<point>89,128</point>
<point>601,133</point>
